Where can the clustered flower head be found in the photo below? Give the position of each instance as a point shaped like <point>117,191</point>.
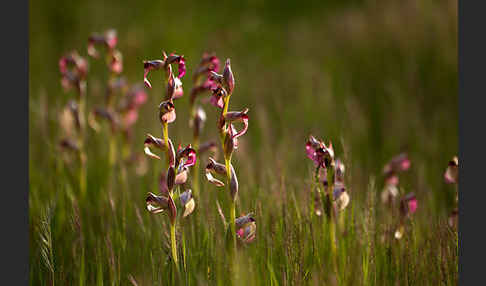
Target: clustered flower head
<point>397,164</point>
<point>326,164</point>
<point>121,112</point>
<point>408,203</point>
<point>74,69</point>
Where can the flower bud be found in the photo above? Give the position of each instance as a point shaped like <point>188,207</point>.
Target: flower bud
<point>228,79</point>
<point>173,210</point>
<point>170,178</point>
<point>229,144</point>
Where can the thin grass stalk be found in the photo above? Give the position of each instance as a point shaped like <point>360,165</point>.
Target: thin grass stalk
<point>82,154</point>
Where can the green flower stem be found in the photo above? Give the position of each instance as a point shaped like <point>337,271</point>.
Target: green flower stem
<point>112,151</point>
<point>173,244</point>
<point>165,131</point>
<point>227,161</point>
<point>83,173</point>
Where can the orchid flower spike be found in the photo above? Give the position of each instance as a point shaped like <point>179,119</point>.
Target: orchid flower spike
<point>397,164</point>
<point>318,152</point>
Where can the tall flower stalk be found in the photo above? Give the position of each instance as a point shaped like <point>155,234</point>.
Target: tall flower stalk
<point>329,171</point>
<point>221,95</point>
<point>177,162</point>
<point>73,70</point>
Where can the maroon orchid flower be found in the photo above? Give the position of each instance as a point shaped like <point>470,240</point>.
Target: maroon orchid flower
<point>166,64</point>
<point>214,167</point>
<point>158,204</point>
<point>246,228</point>
<point>167,112</point>
<point>217,97</point>
<point>185,157</point>
<point>237,116</point>
<point>151,141</point>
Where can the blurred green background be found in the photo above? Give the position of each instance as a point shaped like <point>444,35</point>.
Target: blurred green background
<point>378,76</point>
<point>375,77</point>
